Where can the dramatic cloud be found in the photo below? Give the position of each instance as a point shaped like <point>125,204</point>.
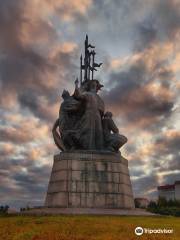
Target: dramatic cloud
<point>40,45</point>
<point>141,96</point>
<point>31,49</point>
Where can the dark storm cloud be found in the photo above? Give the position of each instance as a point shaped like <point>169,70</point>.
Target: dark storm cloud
<point>21,66</point>
<point>137,172</point>
<point>168,17</point>
<point>30,66</point>
<point>11,164</point>
<point>146,34</point>
<point>130,95</point>
<point>16,19</point>
<point>174,163</point>
<point>162,24</point>
<point>32,181</point>
<point>114,16</point>
<point>171,178</point>
<point>30,184</point>
<point>170,142</point>
<point>28,70</point>
<point>124,82</point>
<point>136,162</point>
<point>32,102</point>
<point>168,145</point>
<point>144,184</point>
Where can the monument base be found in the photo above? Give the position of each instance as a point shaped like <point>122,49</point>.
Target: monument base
<point>90,180</point>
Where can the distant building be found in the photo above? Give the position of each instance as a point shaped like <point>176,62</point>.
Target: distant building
<point>141,202</point>
<point>170,191</point>
<point>177,190</point>
<point>12,210</point>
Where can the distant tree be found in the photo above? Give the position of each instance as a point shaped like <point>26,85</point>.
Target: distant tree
<point>165,207</point>
<point>4,209</point>
<point>162,202</point>
<point>136,203</point>
<point>27,207</point>
<point>152,205</point>
<point>171,203</point>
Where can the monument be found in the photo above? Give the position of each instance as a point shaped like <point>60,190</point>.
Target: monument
<point>89,172</point>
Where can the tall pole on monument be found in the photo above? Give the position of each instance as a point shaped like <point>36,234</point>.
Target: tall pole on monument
<point>93,54</point>
<point>81,70</point>
<point>86,58</point>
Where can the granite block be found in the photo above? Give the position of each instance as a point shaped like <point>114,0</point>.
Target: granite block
<point>90,179</point>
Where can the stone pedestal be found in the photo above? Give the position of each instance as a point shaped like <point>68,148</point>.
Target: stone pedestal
<point>89,180</point>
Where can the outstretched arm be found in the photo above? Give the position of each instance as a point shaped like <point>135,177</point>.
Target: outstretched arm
<point>57,137</point>
<point>55,125</point>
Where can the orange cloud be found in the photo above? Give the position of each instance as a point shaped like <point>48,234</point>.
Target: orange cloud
<point>24,130</point>
<point>6,149</point>
<point>171,134</point>
<point>67,10</point>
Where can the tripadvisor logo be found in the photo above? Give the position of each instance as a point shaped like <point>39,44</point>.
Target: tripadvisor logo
<point>138,231</point>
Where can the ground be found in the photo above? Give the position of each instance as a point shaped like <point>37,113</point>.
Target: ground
<point>84,227</point>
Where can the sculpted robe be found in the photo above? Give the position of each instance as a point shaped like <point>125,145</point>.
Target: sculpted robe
<point>90,125</point>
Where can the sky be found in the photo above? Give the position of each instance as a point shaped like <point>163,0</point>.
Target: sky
<point>138,42</point>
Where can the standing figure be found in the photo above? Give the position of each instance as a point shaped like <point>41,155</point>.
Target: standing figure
<point>91,131</point>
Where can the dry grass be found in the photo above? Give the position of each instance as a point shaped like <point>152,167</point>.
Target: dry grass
<point>84,227</point>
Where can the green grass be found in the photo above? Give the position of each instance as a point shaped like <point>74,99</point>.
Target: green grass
<point>84,227</point>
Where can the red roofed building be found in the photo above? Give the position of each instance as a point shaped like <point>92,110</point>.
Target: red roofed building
<point>170,191</point>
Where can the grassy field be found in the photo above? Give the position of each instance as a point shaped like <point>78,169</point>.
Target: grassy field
<point>84,227</point>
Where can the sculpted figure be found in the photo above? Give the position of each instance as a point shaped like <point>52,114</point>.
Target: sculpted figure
<point>113,140</point>
<point>69,115</point>
<point>91,132</point>
<point>66,138</point>
<point>81,124</point>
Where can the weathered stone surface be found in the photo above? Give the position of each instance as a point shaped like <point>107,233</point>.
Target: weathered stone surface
<point>120,201</point>
<point>90,199</point>
<point>59,199</point>
<point>57,186</point>
<point>124,188</point>
<point>90,179</point>
<point>110,200</point>
<point>74,199</point>
<point>128,201</point>
<point>59,175</point>
<point>60,165</point>
<point>76,175</point>
<point>72,186</point>
<point>99,200</point>
<point>83,199</point>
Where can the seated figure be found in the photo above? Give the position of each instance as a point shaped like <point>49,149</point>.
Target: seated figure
<point>113,140</point>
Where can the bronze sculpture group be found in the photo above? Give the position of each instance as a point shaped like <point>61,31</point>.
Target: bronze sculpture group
<point>83,123</point>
